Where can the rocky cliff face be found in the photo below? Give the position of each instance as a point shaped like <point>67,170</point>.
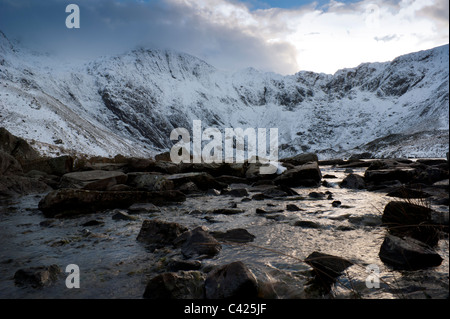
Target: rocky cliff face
<point>130,103</point>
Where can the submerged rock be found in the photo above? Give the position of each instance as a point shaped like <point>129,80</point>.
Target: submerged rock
<point>37,277</point>
<point>238,235</point>
<point>198,242</point>
<point>158,233</point>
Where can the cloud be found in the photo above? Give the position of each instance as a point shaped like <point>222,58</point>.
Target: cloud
<point>230,35</point>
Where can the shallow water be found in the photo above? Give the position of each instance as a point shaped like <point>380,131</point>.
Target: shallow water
<point>114,265</point>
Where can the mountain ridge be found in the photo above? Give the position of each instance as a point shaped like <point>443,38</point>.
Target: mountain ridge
<point>130,103</point>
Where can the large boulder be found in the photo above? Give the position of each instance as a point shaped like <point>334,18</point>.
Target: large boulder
<point>78,201</point>
<point>15,185</point>
<point>9,165</point>
<point>179,285</point>
<point>234,280</point>
<point>408,219</point>
<point>16,147</point>
<point>305,175</point>
<point>93,180</point>
<point>408,254</point>
<point>353,181</point>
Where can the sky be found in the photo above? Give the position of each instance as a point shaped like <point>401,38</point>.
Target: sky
<point>283,36</point>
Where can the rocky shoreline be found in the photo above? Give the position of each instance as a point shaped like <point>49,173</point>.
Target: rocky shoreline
<point>137,189</point>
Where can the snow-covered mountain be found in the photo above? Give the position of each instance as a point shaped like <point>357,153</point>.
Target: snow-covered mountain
<point>130,103</point>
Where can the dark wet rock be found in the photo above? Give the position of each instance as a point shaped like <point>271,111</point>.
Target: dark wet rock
<point>306,224</point>
<point>259,196</point>
<point>12,181</point>
<point>317,195</point>
<point>163,157</point>
<point>9,165</point>
<point>353,181</point>
<point>158,233</point>
<point>65,202</point>
<point>180,285</point>
<point>17,147</point>
<point>140,208</point>
<point>226,211</point>
<point>405,192</point>
<point>292,208</point>
<point>227,179</point>
<point>120,215</point>
<point>432,175</point>
<point>384,186</point>
<point>305,175</point>
<point>92,222</point>
<point>261,211</point>
<point>327,267</point>
<point>150,181</point>
<point>430,161</point>
<point>407,219</point>
<point>93,180</point>
<point>189,188</point>
<point>345,228</point>
<point>37,277</point>
<point>301,159</point>
<point>332,162</point>
<point>237,192</point>
<point>381,176</point>
<point>204,181</point>
<point>177,265</point>
<point>365,155</point>
<point>329,176</point>
<point>198,242</point>
<point>408,254</point>
<point>238,235</point>
<point>120,188</point>
<point>15,185</point>
<point>354,163</point>
<point>246,199</point>
<point>336,203</point>
<point>278,192</point>
<point>51,165</point>
<point>234,280</point>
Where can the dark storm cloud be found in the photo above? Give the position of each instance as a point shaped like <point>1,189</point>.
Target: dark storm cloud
<point>113,27</point>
